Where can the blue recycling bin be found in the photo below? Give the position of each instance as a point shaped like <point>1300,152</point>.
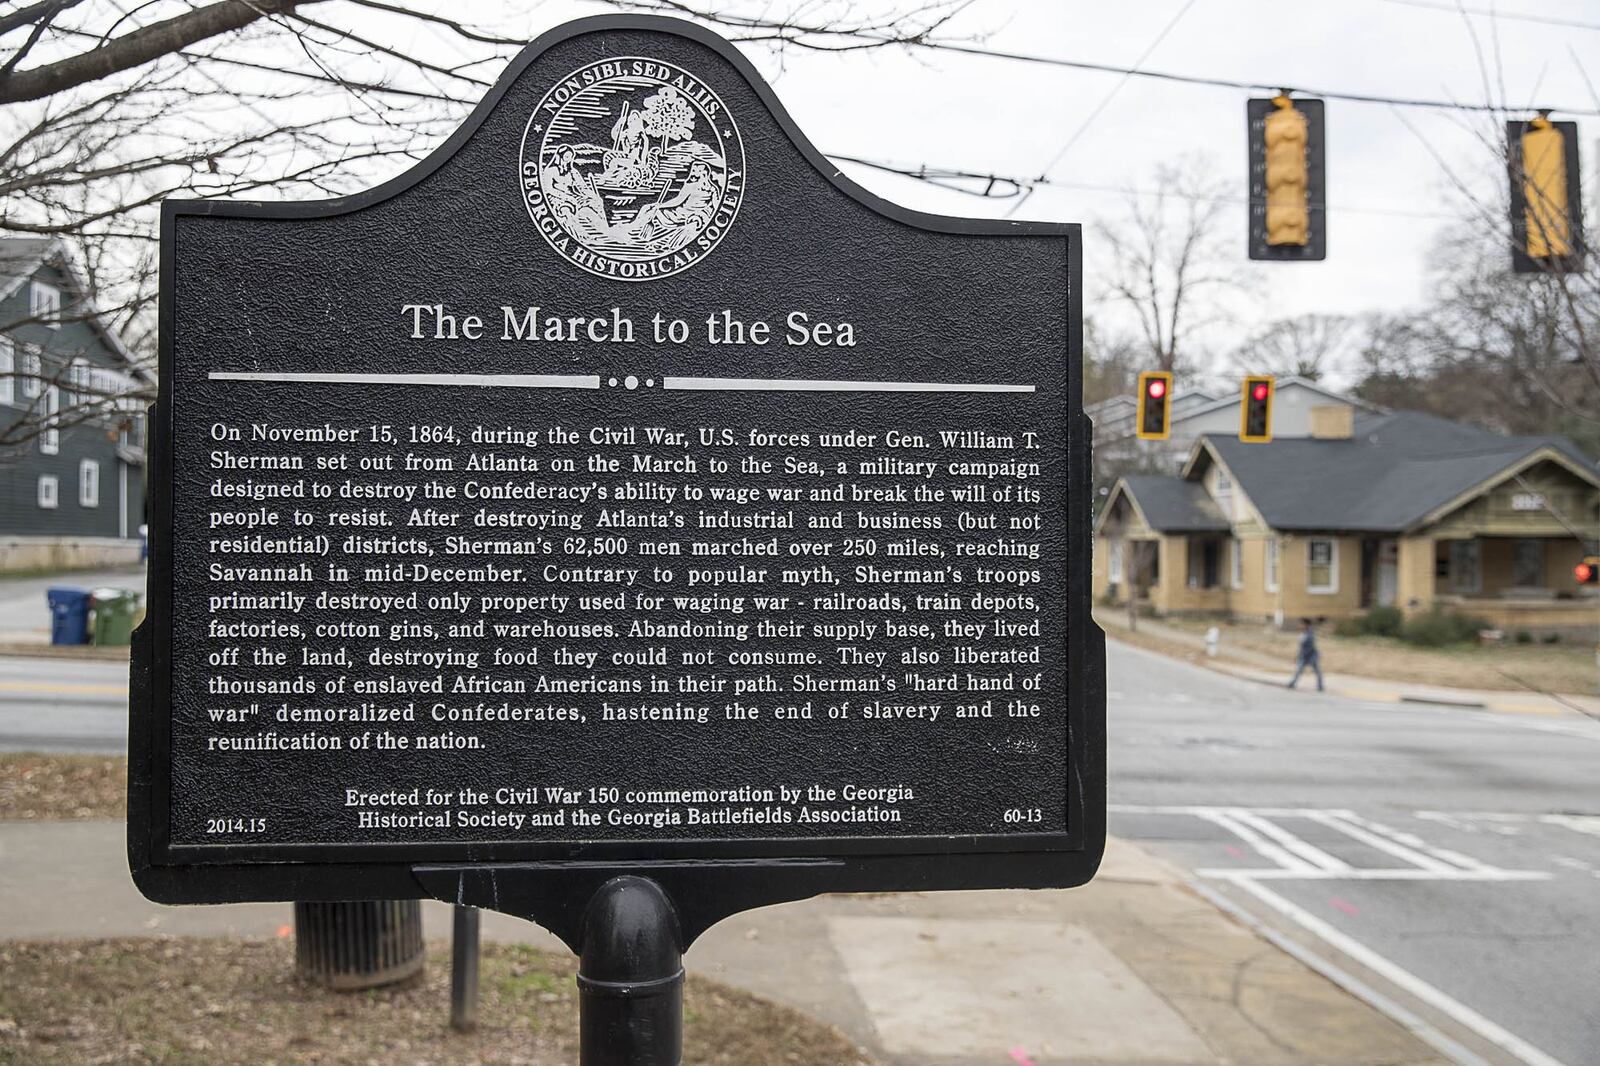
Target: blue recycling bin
<point>69,615</point>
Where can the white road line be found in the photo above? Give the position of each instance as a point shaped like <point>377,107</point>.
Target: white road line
<point>1588,824</point>
<point>1344,979</point>
<point>1416,986</point>
<point>1305,850</point>
<point>1367,874</point>
<point>1264,847</point>
<point>1411,840</point>
<point>1337,820</point>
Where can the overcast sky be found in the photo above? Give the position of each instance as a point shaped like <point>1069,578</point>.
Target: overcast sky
<point>1388,191</point>
<point>1390,184</point>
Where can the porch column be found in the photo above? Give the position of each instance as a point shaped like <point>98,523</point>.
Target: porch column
<point>1414,578</point>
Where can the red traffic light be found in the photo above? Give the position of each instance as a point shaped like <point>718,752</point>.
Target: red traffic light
<point>1259,391</point>
<point>1584,572</point>
<point>1157,388</point>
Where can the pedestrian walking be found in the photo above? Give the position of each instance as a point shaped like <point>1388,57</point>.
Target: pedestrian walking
<point>1308,655</point>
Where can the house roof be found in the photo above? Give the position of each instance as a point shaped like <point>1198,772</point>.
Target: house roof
<point>21,258</point>
<point>1394,472</point>
<point>1173,505</point>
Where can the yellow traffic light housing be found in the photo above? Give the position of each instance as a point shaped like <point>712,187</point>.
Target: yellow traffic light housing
<point>1546,195</point>
<point>1287,179</point>
<point>1288,209</point>
<point>1154,421</point>
<point>1255,409</point>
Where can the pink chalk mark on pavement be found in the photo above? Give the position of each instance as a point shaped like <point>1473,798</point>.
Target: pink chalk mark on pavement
<point>1233,851</point>
<point>1339,904</point>
<point>1020,1057</point>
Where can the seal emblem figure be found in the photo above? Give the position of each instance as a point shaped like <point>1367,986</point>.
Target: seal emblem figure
<point>632,168</point>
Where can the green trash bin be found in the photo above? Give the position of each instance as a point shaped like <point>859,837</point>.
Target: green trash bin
<point>113,616</point>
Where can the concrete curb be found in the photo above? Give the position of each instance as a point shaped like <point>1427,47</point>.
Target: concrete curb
<point>78,652</point>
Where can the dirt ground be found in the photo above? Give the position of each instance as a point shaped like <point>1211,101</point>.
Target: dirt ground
<point>188,1002</point>
<point>62,787</point>
<point>1567,668</point>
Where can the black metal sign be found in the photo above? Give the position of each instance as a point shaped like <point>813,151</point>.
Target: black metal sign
<point>619,490</point>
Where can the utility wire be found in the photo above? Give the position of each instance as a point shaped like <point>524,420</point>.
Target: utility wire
<point>1105,101</point>
<point>1220,83</point>
<point>990,186</point>
<point>1510,16</point>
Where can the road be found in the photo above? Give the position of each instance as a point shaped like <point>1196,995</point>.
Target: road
<point>1444,861</point>
<point>63,705</point>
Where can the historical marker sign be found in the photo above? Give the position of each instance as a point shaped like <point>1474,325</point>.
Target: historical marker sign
<point>620,486</point>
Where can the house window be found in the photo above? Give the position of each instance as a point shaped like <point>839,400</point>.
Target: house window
<point>1114,562</point>
<point>1322,565</point>
<point>1466,566</point>
<point>88,483</point>
<point>8,372</point>
<point>1271,567</point>
<point>77,381</point>
<point>44,304</point>
<point>48,491</point>
<point>50,437</point>
<point>1236,564</point>
<point>1527,562</point>
<point>32,374</point>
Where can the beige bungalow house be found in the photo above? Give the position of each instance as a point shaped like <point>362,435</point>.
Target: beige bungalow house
<point>1399,508</point>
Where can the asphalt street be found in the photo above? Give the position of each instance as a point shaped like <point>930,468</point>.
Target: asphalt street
<point>63,705</point>
<point>1445,860</point>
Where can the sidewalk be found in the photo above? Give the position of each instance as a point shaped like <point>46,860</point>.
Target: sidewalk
<point>1252,665</point>
<point>1134,968</point>
<point>25,613</point>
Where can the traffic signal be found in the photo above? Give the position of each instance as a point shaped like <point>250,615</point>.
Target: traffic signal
<point>1546,195</point>
<point>1288,186</point>
<point>1588,571</point>
<point>1255,409</point>
<point>1155,405</point>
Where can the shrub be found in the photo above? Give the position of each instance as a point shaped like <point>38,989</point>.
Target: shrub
<point>1439,627</point>
<point>1383,621</point>
<point>1377,622</point>
<point>1523,637</point>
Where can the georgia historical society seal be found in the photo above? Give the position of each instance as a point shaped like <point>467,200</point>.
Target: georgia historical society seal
<point>632,168</point>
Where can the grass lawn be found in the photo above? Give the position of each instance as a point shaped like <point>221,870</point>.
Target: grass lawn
<point>1566,668</point>
<point>192,1002</point>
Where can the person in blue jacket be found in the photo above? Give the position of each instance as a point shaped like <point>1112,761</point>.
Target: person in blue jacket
<point>1308,655</point>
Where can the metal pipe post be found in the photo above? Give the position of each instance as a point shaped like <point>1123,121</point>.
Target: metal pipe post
<point>630,977</point>
<point>464,970</point>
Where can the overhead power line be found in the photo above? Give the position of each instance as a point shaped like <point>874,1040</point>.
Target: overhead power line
<point>990,186</point>
<point>1225,83</point>
<point>1489,12</point>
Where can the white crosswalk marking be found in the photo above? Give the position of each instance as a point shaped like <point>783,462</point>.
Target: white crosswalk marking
<point>1297,859</point>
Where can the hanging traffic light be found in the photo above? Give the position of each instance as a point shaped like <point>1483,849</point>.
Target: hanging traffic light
<point>1255,409</point>
<point>1546,195</point>
<point>1588,571</point>
<point>1155,405</point>
<point>1288,186</point>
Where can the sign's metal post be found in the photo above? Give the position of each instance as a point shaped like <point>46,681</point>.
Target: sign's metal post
<point>630,977</point>
<point>464,964</point>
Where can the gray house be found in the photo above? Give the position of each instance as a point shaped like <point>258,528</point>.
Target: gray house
<point>72,422</point>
